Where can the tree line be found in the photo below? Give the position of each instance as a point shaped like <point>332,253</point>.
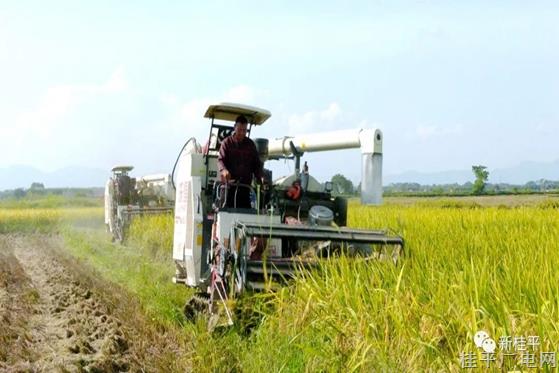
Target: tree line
<point>478,186</point>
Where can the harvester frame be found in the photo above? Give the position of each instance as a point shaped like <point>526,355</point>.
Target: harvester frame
<point>224,251</point>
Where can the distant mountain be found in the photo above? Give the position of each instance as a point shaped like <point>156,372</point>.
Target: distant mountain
<point>81,177</point>
<point>526,171</point>
<point>428,178</point>
<point>519,174</point>
<point>73,177</point>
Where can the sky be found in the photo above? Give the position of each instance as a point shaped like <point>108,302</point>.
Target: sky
<point>450,83</point>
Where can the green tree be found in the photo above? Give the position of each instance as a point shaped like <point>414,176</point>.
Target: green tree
<point>19,193</point>
<point>481,175</point>
<point>341,184</point>
<point>37,186</point>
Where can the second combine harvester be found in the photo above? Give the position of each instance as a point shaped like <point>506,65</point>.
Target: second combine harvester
<point>293,222</point>
<point>127,197</point>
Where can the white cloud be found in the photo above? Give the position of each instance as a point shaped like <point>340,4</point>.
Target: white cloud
<point>424,132</point>
<point>55,103</point>
<point>367,124</point>
<point>53,123</point>
<point>316,120</point>
<point>332,112</point>
<point>169,99</point>
<point>186,118</point>
<point>546,128</point>
<point>192,112</point>
<point>428,132</point>
<point>116,83</point>
<point>61,99</point>
<point>241,94</point>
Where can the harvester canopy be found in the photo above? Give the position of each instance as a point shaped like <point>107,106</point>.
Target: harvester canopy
<point>229,112</point>
<point>122,168</point>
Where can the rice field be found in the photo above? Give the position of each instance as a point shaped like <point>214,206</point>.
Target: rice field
<point>470,266</point>
<point>45,220</point>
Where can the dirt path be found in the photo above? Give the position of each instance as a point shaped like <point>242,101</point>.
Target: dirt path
<point>48,320</point>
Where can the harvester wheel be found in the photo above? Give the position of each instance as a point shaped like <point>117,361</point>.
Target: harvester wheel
<point>198,305</point>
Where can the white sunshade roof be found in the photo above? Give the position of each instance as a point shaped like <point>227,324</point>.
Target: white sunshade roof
<point>230,112</point>
<point>124,168</point>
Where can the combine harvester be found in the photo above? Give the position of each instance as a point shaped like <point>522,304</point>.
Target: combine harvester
<point>126,197</point>
<point>295,221</point>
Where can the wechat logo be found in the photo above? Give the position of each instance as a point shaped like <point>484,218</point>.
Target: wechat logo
<point>483,341</point>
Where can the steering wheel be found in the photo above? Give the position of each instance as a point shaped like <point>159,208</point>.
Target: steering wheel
<point>224,187</point>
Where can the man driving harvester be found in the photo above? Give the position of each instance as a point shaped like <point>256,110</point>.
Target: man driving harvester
<point>238,161</point>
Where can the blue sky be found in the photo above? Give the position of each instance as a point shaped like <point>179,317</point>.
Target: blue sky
<point>451,84</point>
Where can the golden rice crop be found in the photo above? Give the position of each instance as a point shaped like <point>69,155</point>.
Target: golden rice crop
<point>44,219</point>
<point>153,233</point>
<point>28,220</point>
<point>468,269</point>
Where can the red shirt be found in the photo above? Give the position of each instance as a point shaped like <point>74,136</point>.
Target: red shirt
<point>240,158</point>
